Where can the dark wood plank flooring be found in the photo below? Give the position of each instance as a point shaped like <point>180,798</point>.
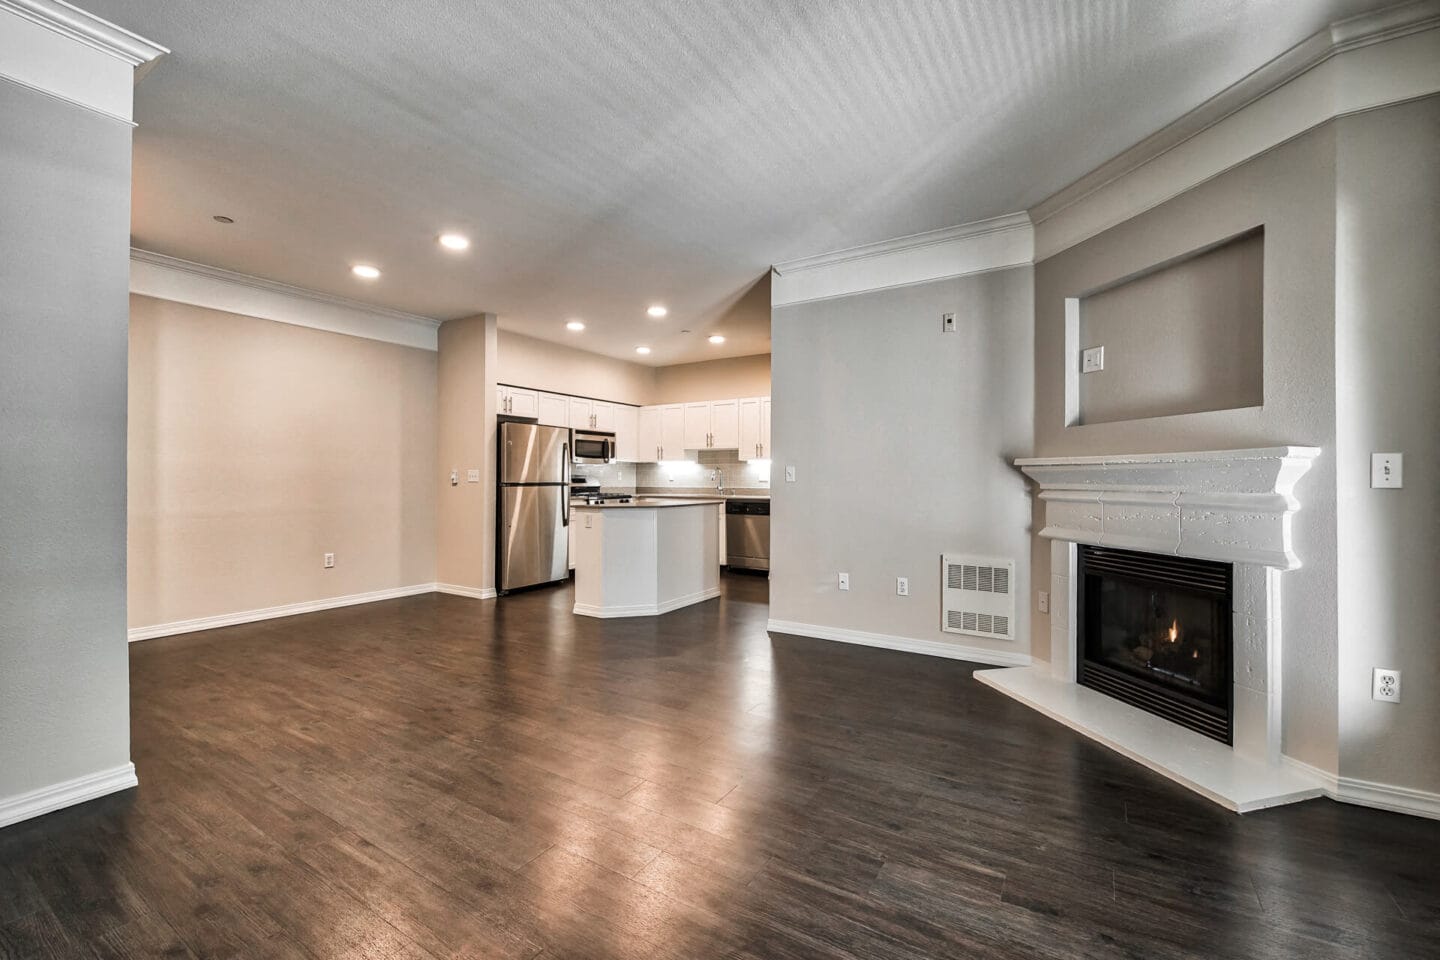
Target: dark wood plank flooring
<point>440,777</point>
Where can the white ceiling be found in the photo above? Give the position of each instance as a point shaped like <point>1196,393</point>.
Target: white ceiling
<point>607,155</point>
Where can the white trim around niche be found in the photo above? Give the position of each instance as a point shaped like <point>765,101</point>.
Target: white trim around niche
<point>1370,61</point>
<point>66,53</point>
<point>183,281</point>
<point>970,248</point>
<point>932,648</point>
<point>91,786</point>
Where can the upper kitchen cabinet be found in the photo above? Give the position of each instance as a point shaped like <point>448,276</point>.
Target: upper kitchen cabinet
<point>627,433</point>
<point>712,425</point>
<point>518,402</point>
<point>661,433</point>
<point>588,414</point>
<point>554,410</point>
<point>647,435</point>
<point>754,428</point>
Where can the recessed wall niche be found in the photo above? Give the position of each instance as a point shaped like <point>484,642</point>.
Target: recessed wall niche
<point>1182,336</point>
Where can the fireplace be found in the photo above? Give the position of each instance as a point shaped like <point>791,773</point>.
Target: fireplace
<point>1155,632</point>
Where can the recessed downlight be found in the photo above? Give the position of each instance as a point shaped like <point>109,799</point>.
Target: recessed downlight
<point>657,311</point>
<point>575,325</point>
<point>365,272</point>
<point>642,350</point>
<point>716,338</point>
<point>221,218</point>
<point>454,241</point>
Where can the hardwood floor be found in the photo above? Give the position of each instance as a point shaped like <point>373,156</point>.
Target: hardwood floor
<point>442,777</point>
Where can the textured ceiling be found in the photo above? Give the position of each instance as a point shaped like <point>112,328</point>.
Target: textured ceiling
<point>607,155</point>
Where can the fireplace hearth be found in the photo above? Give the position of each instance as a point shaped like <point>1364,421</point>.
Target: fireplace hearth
<point>1154,631</point>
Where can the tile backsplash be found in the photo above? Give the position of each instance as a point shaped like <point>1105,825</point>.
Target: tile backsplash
<point>681,476</point>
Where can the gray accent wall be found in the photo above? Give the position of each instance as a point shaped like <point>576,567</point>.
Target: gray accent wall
<point>64,304</point>
<point>901,437</point>
<point>1291,192</point>
<point>1388,372</point>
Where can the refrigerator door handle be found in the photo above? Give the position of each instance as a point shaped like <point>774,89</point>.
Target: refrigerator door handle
<point>565,479</point>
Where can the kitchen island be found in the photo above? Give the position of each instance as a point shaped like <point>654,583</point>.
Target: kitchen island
<point>645,557</point>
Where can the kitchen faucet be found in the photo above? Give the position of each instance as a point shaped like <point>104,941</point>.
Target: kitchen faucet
<point>720,474</point>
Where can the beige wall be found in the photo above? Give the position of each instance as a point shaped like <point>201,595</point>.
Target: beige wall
<point>713,380</point>
<point>541,365</point>
<point>465,536</point>
<point>1388,372</point>
<point>256,447</point>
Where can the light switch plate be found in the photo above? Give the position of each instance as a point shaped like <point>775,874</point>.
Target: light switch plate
<point>1387,470</point>
<point>1044,602</point>
<point>789,474</point>
<point>947,322</point>
<point>1092,360</point>
<point>473,476</point>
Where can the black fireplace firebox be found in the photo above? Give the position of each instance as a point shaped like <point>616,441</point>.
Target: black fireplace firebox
<point>1155,632</point>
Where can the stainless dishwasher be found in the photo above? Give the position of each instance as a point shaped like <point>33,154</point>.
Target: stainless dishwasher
<point>747,533</point>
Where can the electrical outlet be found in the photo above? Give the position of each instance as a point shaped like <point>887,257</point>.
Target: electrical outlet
<point>1387,471</point>
<point>844,581</point>
<point>329,560</point>
<point>902,586</point>
<point>1386,685</point>
<point>789,474</point>
<point>1044,602</point>
<point>947,323</point>
<point>1092,360</point>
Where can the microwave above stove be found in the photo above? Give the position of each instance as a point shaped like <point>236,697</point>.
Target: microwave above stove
<point>592,446</point>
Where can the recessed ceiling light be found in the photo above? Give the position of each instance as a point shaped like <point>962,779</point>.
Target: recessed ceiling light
<point>365,271</point>
<point>575,325</point>
<point>716,338</point>
<point>642,350</point>
<point>657,311</point>
<point>221,218</point>
<point>454,241</point>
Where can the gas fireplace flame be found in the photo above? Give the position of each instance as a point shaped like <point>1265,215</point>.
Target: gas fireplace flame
<point>1174,630</point>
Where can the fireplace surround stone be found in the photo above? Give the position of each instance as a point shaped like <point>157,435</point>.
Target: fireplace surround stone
<point>1227,505</point>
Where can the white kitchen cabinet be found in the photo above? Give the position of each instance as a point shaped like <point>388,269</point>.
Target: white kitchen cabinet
<point>602,416</point>
<point>627,433</point>
<point>725,424</point>
<point>672,431</point>
<point>579,414</point>
<point>648,435</point>
<point>554,410</point>
<point>518,402</point>
<point>754,428</point>
<point>697,426</point>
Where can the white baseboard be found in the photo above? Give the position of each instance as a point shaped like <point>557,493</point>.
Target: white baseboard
<point>34,803</point>
<point>645,609</point>
<point>1367,793</point>
<point>930,648</point>
<point>271,613</point>
<point>475,593</point>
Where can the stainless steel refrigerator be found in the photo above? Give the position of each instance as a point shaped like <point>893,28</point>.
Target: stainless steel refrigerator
<point>533,468</point>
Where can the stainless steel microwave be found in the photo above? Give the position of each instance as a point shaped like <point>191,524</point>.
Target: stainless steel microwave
<point>592,446</point>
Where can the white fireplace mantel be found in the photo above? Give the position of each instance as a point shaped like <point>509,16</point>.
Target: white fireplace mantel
<point>1231,505</point>
<point>1228,505</point>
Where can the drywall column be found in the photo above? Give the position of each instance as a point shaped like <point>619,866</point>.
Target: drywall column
<point>64,309</point>
<point>465,511</point>
<point>1387,361</point>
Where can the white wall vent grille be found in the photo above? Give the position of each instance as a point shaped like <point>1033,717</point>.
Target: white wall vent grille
<point>977,597</point>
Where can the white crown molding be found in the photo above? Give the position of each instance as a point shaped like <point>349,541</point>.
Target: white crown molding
<point>169,278</point>
<point>978,247</point>
<point>91,786</point>
<point>931,648</point>
<point>1370,61</point>
<point>62,51</point>
<point>272,613</point>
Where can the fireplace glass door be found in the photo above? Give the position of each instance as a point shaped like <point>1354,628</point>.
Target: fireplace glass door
<point>1155,632</point>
